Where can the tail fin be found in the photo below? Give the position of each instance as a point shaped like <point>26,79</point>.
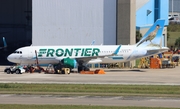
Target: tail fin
<point>153,35</point>
<point>4,41</point>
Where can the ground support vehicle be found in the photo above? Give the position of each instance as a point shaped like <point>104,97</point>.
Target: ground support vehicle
<point>14,69</point>
<point>168,64</point>
<point>57,69</point>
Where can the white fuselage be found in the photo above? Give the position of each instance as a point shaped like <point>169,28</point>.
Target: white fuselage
<point>53,54</point>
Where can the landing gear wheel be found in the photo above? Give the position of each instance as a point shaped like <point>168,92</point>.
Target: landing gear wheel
<point>83,68</point>
<point>79,69</point>
<point>86,69</point>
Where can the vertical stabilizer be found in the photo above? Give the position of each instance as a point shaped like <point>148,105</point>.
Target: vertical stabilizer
<point>153,35</point>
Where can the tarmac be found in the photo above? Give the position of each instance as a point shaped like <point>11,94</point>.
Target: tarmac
<point>168,76</point>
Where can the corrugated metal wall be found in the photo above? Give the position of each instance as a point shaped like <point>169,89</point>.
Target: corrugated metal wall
<point>15,22</point>
<point>71,22</point>
<point>15,26</point>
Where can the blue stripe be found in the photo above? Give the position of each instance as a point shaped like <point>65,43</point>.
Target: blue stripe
<point>117,58</point>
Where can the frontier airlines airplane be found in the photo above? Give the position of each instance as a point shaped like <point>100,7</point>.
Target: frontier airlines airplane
<point>80,56</point>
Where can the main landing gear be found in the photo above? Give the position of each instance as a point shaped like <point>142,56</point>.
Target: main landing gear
<point>82,68</point>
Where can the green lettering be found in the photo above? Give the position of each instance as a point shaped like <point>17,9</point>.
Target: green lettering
<point>41,52</point>
<point>82,52</point>
<point>59,52</point>
<point>77,51</point>
<point>95,52</point>
<point>68,52</point>
<point>50,52</point>
<point>88,52</point>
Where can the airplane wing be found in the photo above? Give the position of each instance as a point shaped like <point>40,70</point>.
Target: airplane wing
<point>87,59</point>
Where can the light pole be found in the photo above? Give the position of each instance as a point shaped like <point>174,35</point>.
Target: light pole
<point>172,9</point>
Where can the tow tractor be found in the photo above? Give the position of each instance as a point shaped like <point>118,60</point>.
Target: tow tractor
<point>57,69</point>
<point>14,69</point>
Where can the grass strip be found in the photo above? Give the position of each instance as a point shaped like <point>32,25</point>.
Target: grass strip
<point>90,89</point>
<point>172,38</point>
<point>18,106</point>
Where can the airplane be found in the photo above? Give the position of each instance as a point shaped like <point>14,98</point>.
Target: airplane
<point>80,56</point>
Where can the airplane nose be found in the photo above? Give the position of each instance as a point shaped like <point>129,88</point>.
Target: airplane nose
<point>9,58</point>
<point>14,58</point>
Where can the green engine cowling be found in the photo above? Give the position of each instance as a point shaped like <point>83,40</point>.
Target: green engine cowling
<point>70,63</point>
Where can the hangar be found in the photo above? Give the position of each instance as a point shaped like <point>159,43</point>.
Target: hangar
<point>77,22</point>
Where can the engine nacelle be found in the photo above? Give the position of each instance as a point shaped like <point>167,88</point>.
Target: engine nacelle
<point>71,63</point>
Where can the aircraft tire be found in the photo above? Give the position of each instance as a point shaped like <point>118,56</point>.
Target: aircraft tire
<point>86,69</point>
<point>80,68</point>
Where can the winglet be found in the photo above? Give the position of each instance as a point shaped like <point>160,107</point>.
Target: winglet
<point>93,42</point>
<point>117,50</point>
<point>4,41</point>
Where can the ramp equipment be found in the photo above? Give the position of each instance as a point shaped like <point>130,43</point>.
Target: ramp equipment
<point>98,71</point>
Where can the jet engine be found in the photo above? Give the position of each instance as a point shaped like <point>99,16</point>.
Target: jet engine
<point>70,63</point>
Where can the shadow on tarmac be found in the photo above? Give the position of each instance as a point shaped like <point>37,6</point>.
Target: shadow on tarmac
<point>124,70</point>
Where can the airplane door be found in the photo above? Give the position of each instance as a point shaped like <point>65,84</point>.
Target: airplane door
<point>27,55</point>
<point>31,54</point>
